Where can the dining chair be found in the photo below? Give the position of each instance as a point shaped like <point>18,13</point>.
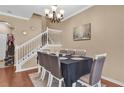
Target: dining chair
<point>55,70</point>
<point>70,51</point>
<point>67,51</point>
<point>47,65</point>
<point>41,62</point>
<point>94,77</point>
<point>80,52</point>
<point>63,51</point>
<point>44,64</point>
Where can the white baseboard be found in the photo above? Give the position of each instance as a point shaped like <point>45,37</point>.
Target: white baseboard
<point>25,69</point>
<point>114,81</point>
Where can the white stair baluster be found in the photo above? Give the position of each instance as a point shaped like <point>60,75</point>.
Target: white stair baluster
<point>28,49</point>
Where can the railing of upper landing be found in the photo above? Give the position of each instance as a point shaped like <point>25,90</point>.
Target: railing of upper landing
<point>48,37</point>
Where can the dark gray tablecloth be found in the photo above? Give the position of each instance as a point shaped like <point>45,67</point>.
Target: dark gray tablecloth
<point>72,70</point>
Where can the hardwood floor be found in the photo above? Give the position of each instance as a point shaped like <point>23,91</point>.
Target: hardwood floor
<point>109,84</point>
<point>1,64</point>
<point>8,78</point>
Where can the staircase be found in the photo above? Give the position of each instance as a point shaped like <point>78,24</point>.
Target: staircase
<point>28,50</point>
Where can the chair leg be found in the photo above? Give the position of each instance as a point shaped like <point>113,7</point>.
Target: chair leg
<point>83,83</point>
<point>43,75</point>
<point>99,84</point>
<point>74,84</point>
<point>64,83</point>
<point>60,83</point>
<point>39,69</point>
<point>51,80</point>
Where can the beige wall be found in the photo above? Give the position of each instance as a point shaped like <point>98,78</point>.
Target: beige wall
<point>33,27</point>
<point>107,27</point>
<point>4,29</point>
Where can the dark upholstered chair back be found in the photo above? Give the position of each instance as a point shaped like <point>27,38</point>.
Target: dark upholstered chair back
<point>56,66</point>
<point>47,63</point>
<point>40,58</point>
<point>80,52</point>
<point>67,51</point>
<point>96,70</point>
<point>63,51</point>
<point>70,52</point>
<point>44,60</point>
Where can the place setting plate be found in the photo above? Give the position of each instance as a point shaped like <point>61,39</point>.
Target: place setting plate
<point>63,58</point>
<point>76,58</point>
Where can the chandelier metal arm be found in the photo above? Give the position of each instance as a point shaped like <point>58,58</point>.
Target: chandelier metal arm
<point>54,15</point>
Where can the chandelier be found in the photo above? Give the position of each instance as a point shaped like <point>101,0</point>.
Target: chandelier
<point>55,14</point>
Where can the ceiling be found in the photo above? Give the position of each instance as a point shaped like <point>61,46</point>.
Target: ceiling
<point>26,11</point>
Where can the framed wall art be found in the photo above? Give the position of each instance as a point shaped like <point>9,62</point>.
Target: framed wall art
<point>82,32</point>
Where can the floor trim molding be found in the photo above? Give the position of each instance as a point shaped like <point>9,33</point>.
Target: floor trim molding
<point>25,69</point>
<point>113,81</point>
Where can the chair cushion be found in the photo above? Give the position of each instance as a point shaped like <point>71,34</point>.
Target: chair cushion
<point>85,78</point>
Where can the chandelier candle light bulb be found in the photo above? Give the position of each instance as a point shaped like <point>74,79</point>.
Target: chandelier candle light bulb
<point>47,11</point>
<point>50,15</point>
<point>62,12</point>
<point>54,8</point>
<point>58,15</point>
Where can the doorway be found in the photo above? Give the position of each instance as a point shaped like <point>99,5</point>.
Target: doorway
<point>6,45</point>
